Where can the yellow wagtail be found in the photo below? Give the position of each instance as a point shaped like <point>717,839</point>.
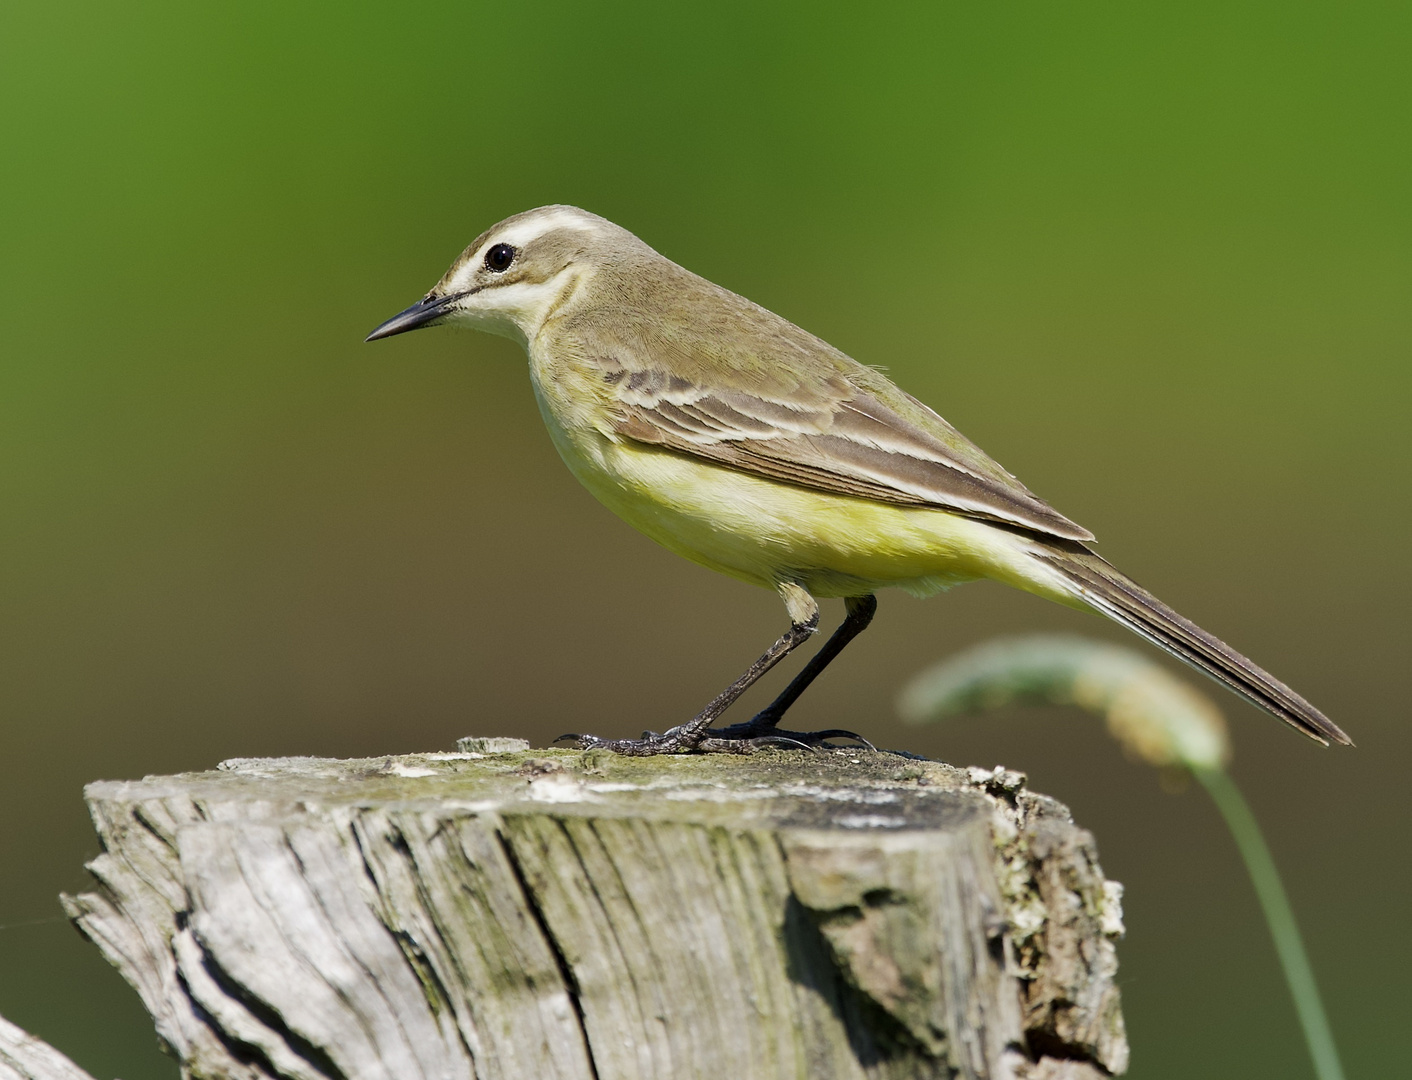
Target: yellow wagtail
<point>738,440</point>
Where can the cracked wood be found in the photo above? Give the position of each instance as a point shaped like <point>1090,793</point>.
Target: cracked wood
<point>562,915</point>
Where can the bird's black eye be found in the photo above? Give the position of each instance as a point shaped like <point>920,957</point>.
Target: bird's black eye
<point>499,258</point>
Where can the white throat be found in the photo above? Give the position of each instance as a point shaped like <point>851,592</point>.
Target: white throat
<point>519,310</point>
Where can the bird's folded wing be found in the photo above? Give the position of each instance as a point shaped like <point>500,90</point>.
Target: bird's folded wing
<point>837,437</point>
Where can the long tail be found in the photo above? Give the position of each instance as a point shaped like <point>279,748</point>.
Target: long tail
<point>1107,590</point>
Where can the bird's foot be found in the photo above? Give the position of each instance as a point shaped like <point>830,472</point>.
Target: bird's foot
<point>678,740</point>
<point>763,728</point>
<point>759,733</point>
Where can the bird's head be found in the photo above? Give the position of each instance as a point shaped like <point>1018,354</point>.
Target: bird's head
<point>515,274</point>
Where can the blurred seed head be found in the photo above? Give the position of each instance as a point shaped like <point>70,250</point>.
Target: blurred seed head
<point>1155,717</point>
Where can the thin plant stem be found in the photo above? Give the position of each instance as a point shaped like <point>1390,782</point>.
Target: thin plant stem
<point>1279,917</point>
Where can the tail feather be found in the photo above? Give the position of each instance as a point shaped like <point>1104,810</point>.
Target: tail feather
<point>1107,590</point>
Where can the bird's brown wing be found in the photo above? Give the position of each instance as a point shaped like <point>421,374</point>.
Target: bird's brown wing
<point>829,434</point>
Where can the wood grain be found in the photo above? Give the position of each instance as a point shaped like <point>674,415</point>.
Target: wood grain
<point>555,914</point>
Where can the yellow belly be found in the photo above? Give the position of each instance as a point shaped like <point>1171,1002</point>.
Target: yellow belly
<point>768,533</point>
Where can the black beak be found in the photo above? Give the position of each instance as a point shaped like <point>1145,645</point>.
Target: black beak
<point>422,313</point>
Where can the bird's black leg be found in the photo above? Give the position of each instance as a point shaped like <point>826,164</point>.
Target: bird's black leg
<point>861,610</point>
<point>765,723</point>
<point>687,737</point>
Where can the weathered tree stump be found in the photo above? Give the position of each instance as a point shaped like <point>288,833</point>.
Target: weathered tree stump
<point>23,1057</point>
<point>556,914</point>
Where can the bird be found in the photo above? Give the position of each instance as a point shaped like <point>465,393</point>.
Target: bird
<point>735,438</point>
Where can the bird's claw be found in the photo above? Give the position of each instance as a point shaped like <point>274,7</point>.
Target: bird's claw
<point>675,740</point>
<point>820,738</point>
<point>739,739</point>
<point>757,729</point>
<point>711,745</point>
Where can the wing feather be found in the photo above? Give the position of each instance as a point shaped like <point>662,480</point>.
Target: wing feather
<point>853,444</point>
<point>695,369</point>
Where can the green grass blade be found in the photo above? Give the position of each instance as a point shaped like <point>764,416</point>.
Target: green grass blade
<point>1279,916</point>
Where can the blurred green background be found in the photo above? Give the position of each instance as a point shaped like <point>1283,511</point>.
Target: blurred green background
<point>1156,260</point>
